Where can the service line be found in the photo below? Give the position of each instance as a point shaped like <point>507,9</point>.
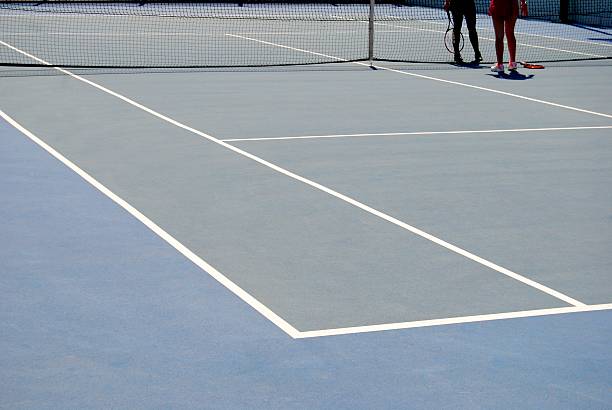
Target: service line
<point>416,133</point>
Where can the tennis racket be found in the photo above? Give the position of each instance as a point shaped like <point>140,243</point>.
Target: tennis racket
<point>448,36</point>
<point>531,66</point>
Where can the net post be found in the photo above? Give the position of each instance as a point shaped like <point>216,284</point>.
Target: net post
<point>371,34</point>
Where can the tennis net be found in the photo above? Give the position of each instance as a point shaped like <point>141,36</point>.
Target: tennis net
<point>255,33</point>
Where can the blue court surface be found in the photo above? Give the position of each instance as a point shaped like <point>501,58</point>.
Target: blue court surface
<point>97,312</point>
<point>307,237</point>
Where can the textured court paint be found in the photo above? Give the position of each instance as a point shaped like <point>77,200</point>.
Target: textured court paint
<point>238,105</point>
<point>582,86</point>
<point>523,279</point>
<point>98,312</point>
<point>197,260</point>
<point>317,264</point>
<point>535,202</point>
<point>255,303</point>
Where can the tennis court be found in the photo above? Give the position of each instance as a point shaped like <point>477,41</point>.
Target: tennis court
<point>211,234</point>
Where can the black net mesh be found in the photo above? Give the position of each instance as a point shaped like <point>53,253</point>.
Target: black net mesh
<point>128,34</point>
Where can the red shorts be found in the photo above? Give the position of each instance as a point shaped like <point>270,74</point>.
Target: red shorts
<point>504,9</point>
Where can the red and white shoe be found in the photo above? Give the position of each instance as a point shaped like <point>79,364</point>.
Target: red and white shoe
<point>498,68</point>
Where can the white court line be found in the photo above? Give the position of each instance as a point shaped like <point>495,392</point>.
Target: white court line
<point>394,134</point>
<point>198,261</point>
<point>106,34</point>
<point>451,321</point>
<point>320,187</point>
<point>176,34</point>
<point>426,77</point>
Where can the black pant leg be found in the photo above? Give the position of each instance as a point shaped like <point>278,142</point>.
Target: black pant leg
<point>470,22</point>
<point>457,23</point>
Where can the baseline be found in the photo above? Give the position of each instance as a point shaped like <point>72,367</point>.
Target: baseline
<point>452,321</point>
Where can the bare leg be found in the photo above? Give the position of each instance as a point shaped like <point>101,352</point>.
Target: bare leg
<point>511,39</point>
<point>498,26</point>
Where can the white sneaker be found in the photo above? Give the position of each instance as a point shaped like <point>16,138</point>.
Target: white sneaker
<point>512,66</point>
<point>498,68</point>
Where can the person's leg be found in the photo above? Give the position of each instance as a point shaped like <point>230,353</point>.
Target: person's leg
<point>498,26</point>
<point>470,22</point>
<point>457,23</point>
<point>511,39</point>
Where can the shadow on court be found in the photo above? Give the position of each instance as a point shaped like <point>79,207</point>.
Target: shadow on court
<point>512,75</point>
